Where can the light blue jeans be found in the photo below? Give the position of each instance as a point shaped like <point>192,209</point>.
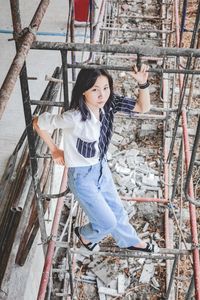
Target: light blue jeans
<point>96,193</point>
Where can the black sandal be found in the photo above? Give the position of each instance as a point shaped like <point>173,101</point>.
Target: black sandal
<point>149,248</point>
<point>90,246</point>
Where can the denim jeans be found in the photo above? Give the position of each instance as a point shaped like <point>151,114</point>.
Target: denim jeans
<point>96,193</point>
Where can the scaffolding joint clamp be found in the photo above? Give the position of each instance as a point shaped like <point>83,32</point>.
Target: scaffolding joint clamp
<point>48,239</point>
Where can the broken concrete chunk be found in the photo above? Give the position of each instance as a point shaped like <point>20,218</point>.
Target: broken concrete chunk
<point>131,162</point>
<point>145,227</point>
<point>132,153</point>
<point>147,272</point>
<point>122,170</point>
<point>147,129</point>
<point>117,139</point>
<point>101,274</point>
<point>142,168</point>
<point>108,291</point>
<point>121,181</point>
<point>118,129</point>
<point>99,285</point>
<point>112,148</point>
<point>149,210</point>
<point>150,180</point>
<point>141,261</point>
<point>120,284</point>
<point>113,284</point>
<point>122,74</point>
<point>155,282</point>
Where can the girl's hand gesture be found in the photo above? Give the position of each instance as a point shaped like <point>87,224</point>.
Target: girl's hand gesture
<point>140,76</point>
<point>58,156</point>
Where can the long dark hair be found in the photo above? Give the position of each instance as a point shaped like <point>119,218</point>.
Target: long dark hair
<point>85,80</point>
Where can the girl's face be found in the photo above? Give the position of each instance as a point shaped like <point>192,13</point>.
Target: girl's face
<point>98,94</point>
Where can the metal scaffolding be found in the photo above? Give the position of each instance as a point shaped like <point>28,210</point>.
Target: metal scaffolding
<point>100,45</point>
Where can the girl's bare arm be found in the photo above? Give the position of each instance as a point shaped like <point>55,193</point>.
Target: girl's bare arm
<point>57,154</point>
<point>143,103</point>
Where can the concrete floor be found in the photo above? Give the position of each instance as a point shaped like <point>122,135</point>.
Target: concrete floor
<point>24,281</point>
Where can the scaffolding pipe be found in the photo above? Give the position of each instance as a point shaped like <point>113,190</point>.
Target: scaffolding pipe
<point>192,210</point>
<point>140,199</point>
<point>170,285</point>
<point>129,68</point>
<point>134,48</point>
<point>52,242</point>
<point>136,30</point>
<point>19,59</point>
<point>192,161</point>
<point>184,11</point>
<point>183,83</point>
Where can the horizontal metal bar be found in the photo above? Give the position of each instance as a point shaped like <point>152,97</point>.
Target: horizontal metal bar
<point>121,251</point>
<point>190,111</point>
<point>142,17</point>
<point>140,199</point>
<point>136,30</point>
<point>141,116</point>
<point>50,78</point>
<point>46,103</point>
<point>129,69</point>
<point>127,254</point>
<point>134,48</point>
<point>53,196</point>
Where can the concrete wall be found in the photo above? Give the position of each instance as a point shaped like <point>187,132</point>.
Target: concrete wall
<point>24,281</point>
<point>39,63</point>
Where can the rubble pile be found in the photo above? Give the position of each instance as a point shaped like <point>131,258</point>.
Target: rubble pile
<point>132,174</point>
<point>117,278</point>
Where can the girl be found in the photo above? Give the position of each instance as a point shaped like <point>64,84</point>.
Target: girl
<point>87,129</point>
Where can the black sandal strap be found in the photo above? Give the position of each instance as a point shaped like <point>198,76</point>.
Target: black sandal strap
<point>90,246</point>
<point>148,248</point>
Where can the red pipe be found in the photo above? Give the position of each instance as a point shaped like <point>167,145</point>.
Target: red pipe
<point>177,27</point>
<point>51,245</point>
<point>141,199</point>
<point>192,209</point>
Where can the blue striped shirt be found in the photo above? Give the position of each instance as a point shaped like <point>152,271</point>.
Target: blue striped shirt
<point>118,104</point>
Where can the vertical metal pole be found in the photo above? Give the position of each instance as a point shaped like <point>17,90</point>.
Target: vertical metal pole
<point>172,277</point>
<point>192,160</point>
<point>65,79</point>
<point>72,38</point>
<point>184,10</point>
<point>32,152</point>
<point>185,80</point>
<point>192,209</point>
<point>28,120</point>
<point>190,290</point>
<point>52,242</point>
<point>178,168</point>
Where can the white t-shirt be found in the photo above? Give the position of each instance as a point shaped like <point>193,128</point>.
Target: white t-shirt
<point>77,136</point>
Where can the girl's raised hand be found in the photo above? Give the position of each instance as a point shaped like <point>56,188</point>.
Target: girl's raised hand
<point>140,76</point>
<point>58,156</point>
